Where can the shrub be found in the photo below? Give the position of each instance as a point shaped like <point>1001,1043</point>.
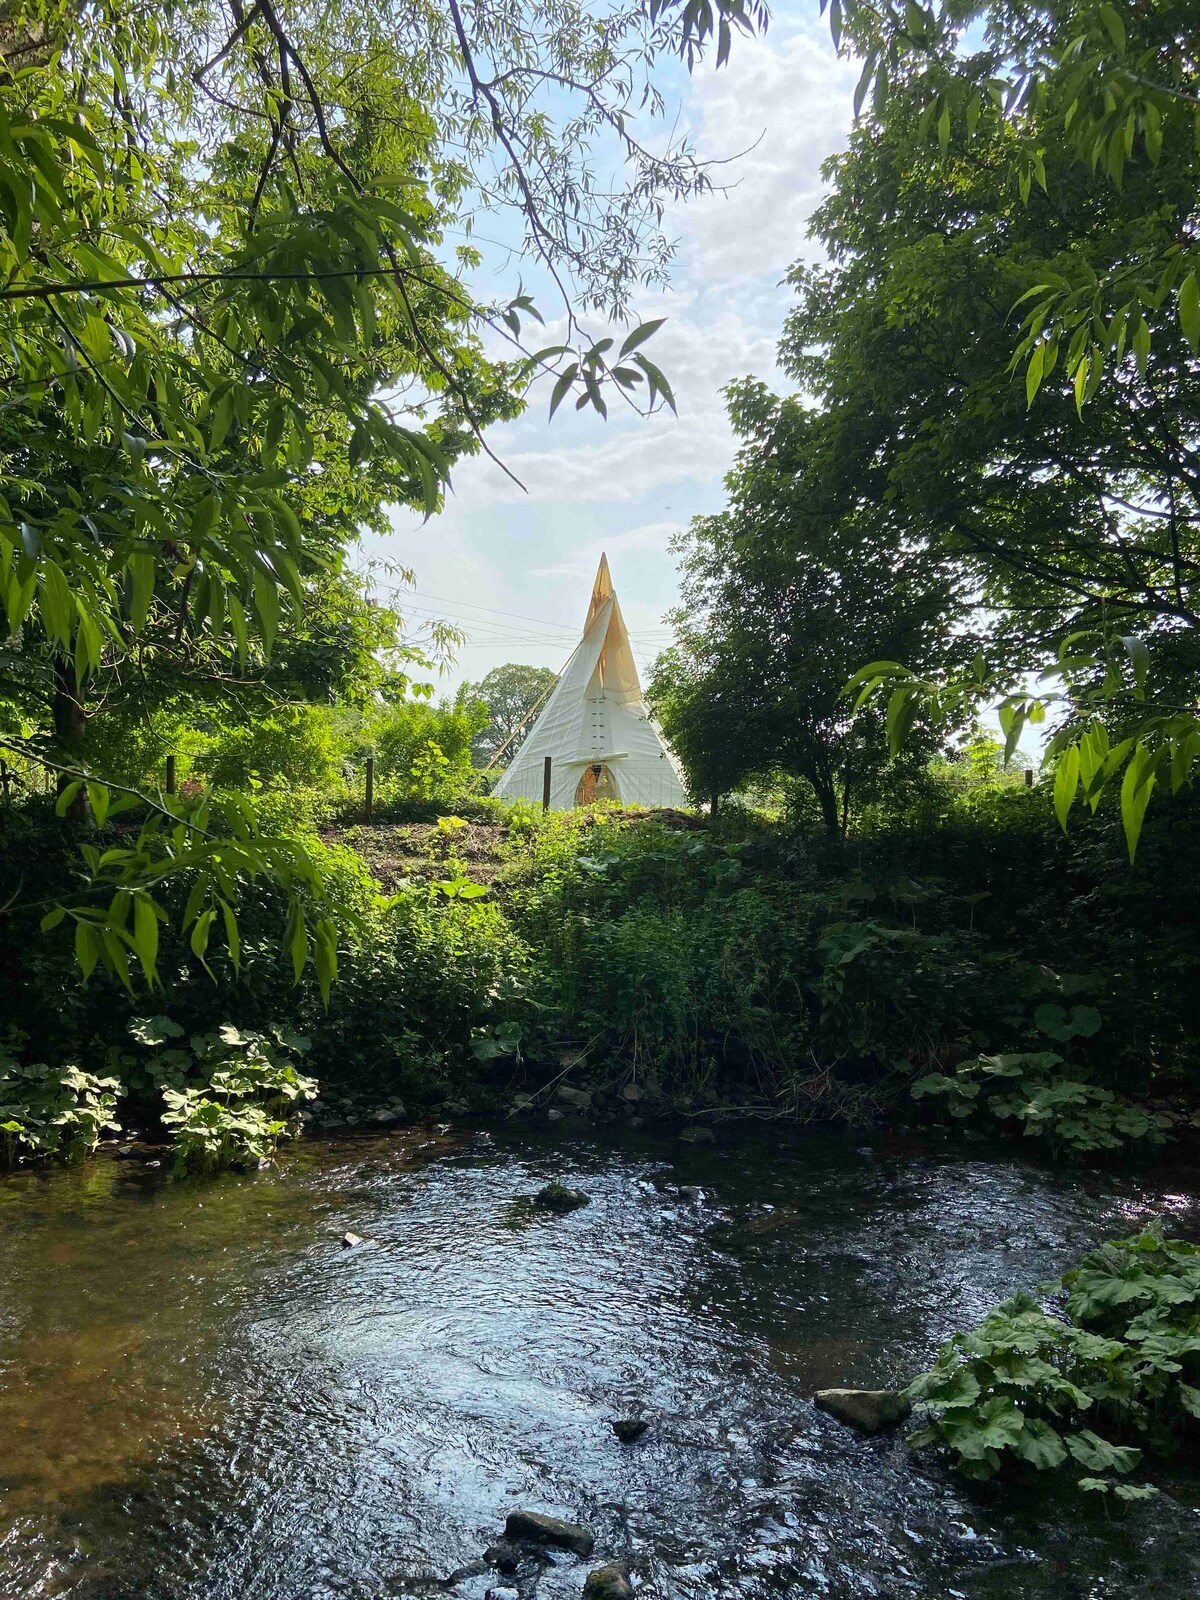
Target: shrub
<point>1030,1389</point>
<point>294,745</point>
<point>1047,1103</point>
<point>51,1112</point>
<point>231,1096</point>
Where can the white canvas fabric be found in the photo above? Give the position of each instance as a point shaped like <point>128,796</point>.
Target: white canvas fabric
<point>596,717</point>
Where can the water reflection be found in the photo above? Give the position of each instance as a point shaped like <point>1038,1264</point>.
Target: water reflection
<point>203,1394</point>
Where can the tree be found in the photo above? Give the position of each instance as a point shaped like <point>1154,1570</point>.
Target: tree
<point>1063,472</point>
<point>1110,86</point>
<point>234,333</point>
<point>512,694</point>
<point>780,601</point>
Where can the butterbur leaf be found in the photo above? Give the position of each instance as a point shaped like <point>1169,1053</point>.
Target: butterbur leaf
<point>1091,1451</point>
<point>1040,1445</point>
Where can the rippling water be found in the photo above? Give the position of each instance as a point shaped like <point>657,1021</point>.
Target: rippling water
<point>203,1395</point>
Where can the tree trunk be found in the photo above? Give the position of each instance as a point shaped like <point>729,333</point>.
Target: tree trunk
<point>828,801</point>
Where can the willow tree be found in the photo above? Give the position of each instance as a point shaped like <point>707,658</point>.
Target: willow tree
<point>235,327</point>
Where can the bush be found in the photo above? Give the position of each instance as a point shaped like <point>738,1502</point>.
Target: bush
<point>1030,1089</point>
<point>230,1096</point>
<point>295,745</point>
<point>1028,1389</point>
<point>703,973</point>
<point>48,1112</point>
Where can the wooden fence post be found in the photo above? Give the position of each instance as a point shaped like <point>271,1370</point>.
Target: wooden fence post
<point>546,784</point>
<point>370,806</point>
<point>169,784</point>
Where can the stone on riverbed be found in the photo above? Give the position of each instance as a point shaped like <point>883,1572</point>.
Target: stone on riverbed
<point>351,1241</point>
<point>532,1527</point>
<point>503,1555</point>
<point>629,1429</point>
<point>557,1196</point>
<point>695,1134</point>
<point>868,1410</point>
<point>607,1583</point>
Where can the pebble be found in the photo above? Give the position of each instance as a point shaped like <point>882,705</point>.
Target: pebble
<point>607,1583</point>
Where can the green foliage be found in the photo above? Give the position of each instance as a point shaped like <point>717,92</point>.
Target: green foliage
<point>48,1112</point>
<point>1013,289</point>
<point>222,251</point>
<point>296,745</point>
<point>713,969</point>
<point>1046,1101</point>
<point>1028,1389</point>
<point>512,694</point>
<point>424,752</point>
<point>777,597</point>
<point>230,1096</point>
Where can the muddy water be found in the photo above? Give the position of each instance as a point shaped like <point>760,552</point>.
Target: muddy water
<point>203,1395</point>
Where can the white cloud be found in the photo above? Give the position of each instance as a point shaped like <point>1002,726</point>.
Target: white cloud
<point>786,99</point>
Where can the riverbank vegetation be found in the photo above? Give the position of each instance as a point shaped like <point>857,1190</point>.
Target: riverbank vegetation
<point>1094,1387</point>
<point>955,959</point>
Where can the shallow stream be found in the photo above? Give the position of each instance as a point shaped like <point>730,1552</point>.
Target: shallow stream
<point>203,1396</point>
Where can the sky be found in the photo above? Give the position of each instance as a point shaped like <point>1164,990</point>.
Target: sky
<point>514,569</point>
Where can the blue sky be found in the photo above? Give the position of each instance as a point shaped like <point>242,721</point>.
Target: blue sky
<point>514,569</point>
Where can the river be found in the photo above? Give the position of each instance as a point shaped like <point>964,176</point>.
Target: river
<point>204,1396</point>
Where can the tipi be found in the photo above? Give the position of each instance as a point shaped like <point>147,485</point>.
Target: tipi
<point>595,726</point>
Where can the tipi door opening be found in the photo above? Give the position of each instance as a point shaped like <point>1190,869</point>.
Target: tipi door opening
<point>597,783</point>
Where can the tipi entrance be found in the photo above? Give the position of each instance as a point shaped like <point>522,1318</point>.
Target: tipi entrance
<point>597,783</point>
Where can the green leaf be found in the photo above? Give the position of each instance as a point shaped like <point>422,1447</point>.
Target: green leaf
<point>1040,1445</point>
<point>231,935</point>
<point>1136,785</point>
<point>68,796</point>
<point>1066,784</point>
<point>295,940</point>
<point>88,946</point>
<point>1189,310</point>
<point>145,935</point>
<point>1111,19</point>
<point>1033,373</point>
<point>98,799</point>
<point>639,335</point>
<point>563,386</point>
<point>141,588</point>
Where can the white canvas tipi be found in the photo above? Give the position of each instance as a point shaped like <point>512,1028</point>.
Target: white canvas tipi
<point>595,726</point>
